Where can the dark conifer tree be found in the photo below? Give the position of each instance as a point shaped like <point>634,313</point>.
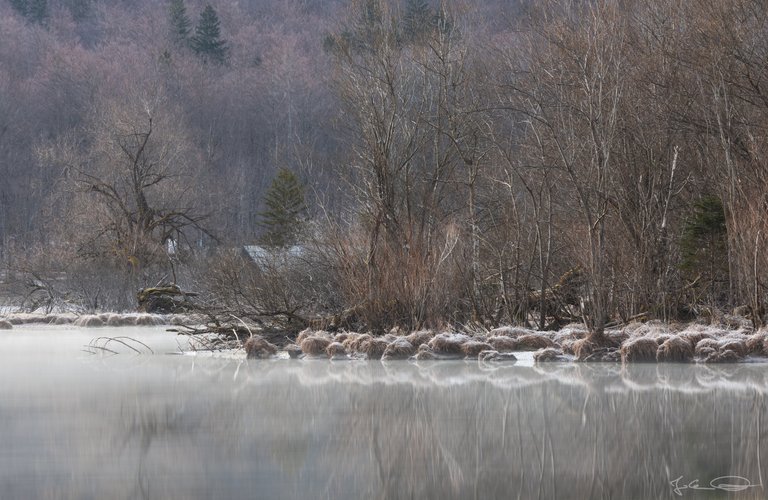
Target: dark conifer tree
<point>704,247</point>
<point>20,6</point>
<point>80,9</point>
<point>207,41</point>
<point>181,26</point>
<point>286,210</point>
<point>37,11</point>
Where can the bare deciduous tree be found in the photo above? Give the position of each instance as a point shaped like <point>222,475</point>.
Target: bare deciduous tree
<point>127,191</point>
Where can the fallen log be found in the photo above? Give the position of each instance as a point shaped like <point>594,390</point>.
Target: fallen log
<point>165,299</point>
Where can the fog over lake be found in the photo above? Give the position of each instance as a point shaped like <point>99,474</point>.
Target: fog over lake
<point>76,425</point>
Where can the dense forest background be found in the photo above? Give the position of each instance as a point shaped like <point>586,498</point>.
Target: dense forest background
<point>463,162</point>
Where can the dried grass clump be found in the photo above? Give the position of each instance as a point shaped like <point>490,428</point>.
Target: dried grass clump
<point>707,343</point>
<point>448,343</point>
<point>735,322</point>
<point>5,325</point>
<point>704,353</point>
<point>421,337</point>
<point>568,335</point>
<point>374,348</point>
<point>511,331</point>
<point>503,344</point>
<point>355,341</point>
<point>471,348</point>
<point>350,341</point>
<point>548,355</point>
<point>588,350</point>
<point>756,344</point>
<point>728,356</point>
<point>576,330</point>
<point>582,348</point>
<point>639,350</point>
<point>341,337</point>
<point>739,347</point>
<point>293,351</point>
<point>425,353</point>
<point>130,320</point>
<point>496,357</point>
<point>632,327</point>
<point>399,349</point>
<point>675,349</point>
<point>661,338</point>
<point>694,337</point>
<point>314,345</point>
<point>118,320</point>
<point>63,320</point>
<point>257,347</point>
<point>336,350</point>
<point>397,331</point>
<point>147,320</point>
<point>567,345</point>
<point>308,332</point>
<point>617,336</point>
<point>89,321</point>
<point>534,342</point>
<point>725,350</point>
<point>650,329</point>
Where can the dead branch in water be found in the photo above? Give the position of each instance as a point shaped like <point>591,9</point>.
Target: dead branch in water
<point>101,343</point>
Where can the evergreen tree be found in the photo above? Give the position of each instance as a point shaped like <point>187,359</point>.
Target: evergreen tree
<point>286,210</point>
<point>704,246</point>
<point>180,25</point>
<point>80,9</point>
<point>207,41</point>
<point>34,11</point>
<point>37,11</point>
<point>20,6</point>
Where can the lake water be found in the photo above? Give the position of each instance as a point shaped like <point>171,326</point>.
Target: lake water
<point>76,425</point>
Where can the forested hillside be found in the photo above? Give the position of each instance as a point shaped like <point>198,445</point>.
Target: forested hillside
<point>474,161</point>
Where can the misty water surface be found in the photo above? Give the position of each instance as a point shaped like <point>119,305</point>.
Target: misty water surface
<point>75,425</point>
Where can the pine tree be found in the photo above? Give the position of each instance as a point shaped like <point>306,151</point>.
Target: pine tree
<point>37,11</point>
<point>207,41</point>
<point>20,6</point>
<point>80,9</point>
<point>704,244</point>
<point>34,11</point>
<point>286,210</point>
<point>180,25</point>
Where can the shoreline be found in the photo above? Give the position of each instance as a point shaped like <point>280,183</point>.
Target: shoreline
<point>649,342</point>
<point>652,342</point>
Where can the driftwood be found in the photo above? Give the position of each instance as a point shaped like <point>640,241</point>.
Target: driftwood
<point>233,330</point>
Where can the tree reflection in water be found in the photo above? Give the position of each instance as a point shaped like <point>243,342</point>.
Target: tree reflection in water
<point>199,428</point>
